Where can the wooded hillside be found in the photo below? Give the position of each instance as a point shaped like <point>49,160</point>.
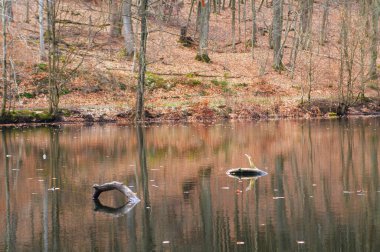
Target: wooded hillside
<point>204,59</point>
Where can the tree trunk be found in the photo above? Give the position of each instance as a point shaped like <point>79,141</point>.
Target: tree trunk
<point>199,18</point>
<point>204,28</point>
<point>191,11</point>
<point>374,39</point>
<point>115,19</point>
<point>52,58</point>
<point>277,32</point>
<point>306,10</point>
<point>325,15</point>
<point>142,62</point>
<point>42,31</point>
<point>128,29</point>
<point>254,28</point>
<point>239,19</point>
<point>8,10</point>
<point>4,72</point>
<point>233,24</point>
<point>27,7</point>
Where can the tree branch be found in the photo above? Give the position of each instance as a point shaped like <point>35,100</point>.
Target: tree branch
<point>114,185</point>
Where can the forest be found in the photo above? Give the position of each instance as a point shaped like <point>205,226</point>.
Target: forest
<point>187,60</point>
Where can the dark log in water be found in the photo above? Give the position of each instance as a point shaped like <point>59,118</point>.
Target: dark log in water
<point>246,173</point>
<point>114,185</point>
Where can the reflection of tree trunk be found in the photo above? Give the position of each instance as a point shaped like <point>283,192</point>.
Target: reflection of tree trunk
<point>45,219</point>
<point>282,229</point>
<point>374,159</point>
<point>54,164</point>
<point>206,211</point>
<point>148,239</point>
<point>9,244</point>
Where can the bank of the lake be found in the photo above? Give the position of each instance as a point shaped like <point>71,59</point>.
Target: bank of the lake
<point>196,112</point>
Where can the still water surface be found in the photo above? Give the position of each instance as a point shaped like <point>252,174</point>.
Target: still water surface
<point>322,191</point>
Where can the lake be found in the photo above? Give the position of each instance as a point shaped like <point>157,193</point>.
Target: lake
<point>322,191</point>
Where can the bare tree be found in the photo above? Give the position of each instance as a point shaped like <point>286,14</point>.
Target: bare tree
<point>42,30</point>
<point>306,15</point>
<point>142,61</point>
<point>115,19</point>
<point>27,7</point>
<point>233,24</point>
<point>277,32</point>
<point>8,10</point>
<point>128,29</point>
<point>4,60</point>
<point>374,39</point>
<point>204,29</point>
<point>53,56</point>
<point>326,6</point>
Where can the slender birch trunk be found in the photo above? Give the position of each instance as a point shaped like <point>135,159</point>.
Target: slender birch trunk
<point>42,31</point>
<point>142,62</point>
<point>233,24</point>
<point>4,72</point>
<point>254,27</point>
<point>128,29</point>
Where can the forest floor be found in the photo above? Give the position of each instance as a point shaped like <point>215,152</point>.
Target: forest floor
<point>233,86</point>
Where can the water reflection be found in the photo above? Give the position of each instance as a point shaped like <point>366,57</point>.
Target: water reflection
<point>321,192</point>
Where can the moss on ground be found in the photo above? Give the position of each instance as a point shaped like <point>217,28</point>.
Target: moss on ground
<point>27,116</point>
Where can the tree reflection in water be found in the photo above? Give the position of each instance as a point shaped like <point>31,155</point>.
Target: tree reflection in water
<point>321,188</point>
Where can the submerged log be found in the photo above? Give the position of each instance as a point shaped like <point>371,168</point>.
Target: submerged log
<point>246,173</point>
<point>114,185</point>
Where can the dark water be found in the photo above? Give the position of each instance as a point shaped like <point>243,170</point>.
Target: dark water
<point>322,192</point>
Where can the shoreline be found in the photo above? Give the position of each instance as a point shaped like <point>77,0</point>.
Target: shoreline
<point>92,115</point>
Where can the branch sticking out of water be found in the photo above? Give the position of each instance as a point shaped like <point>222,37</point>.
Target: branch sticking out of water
<point>251,164</point>
<point>114,185</point>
